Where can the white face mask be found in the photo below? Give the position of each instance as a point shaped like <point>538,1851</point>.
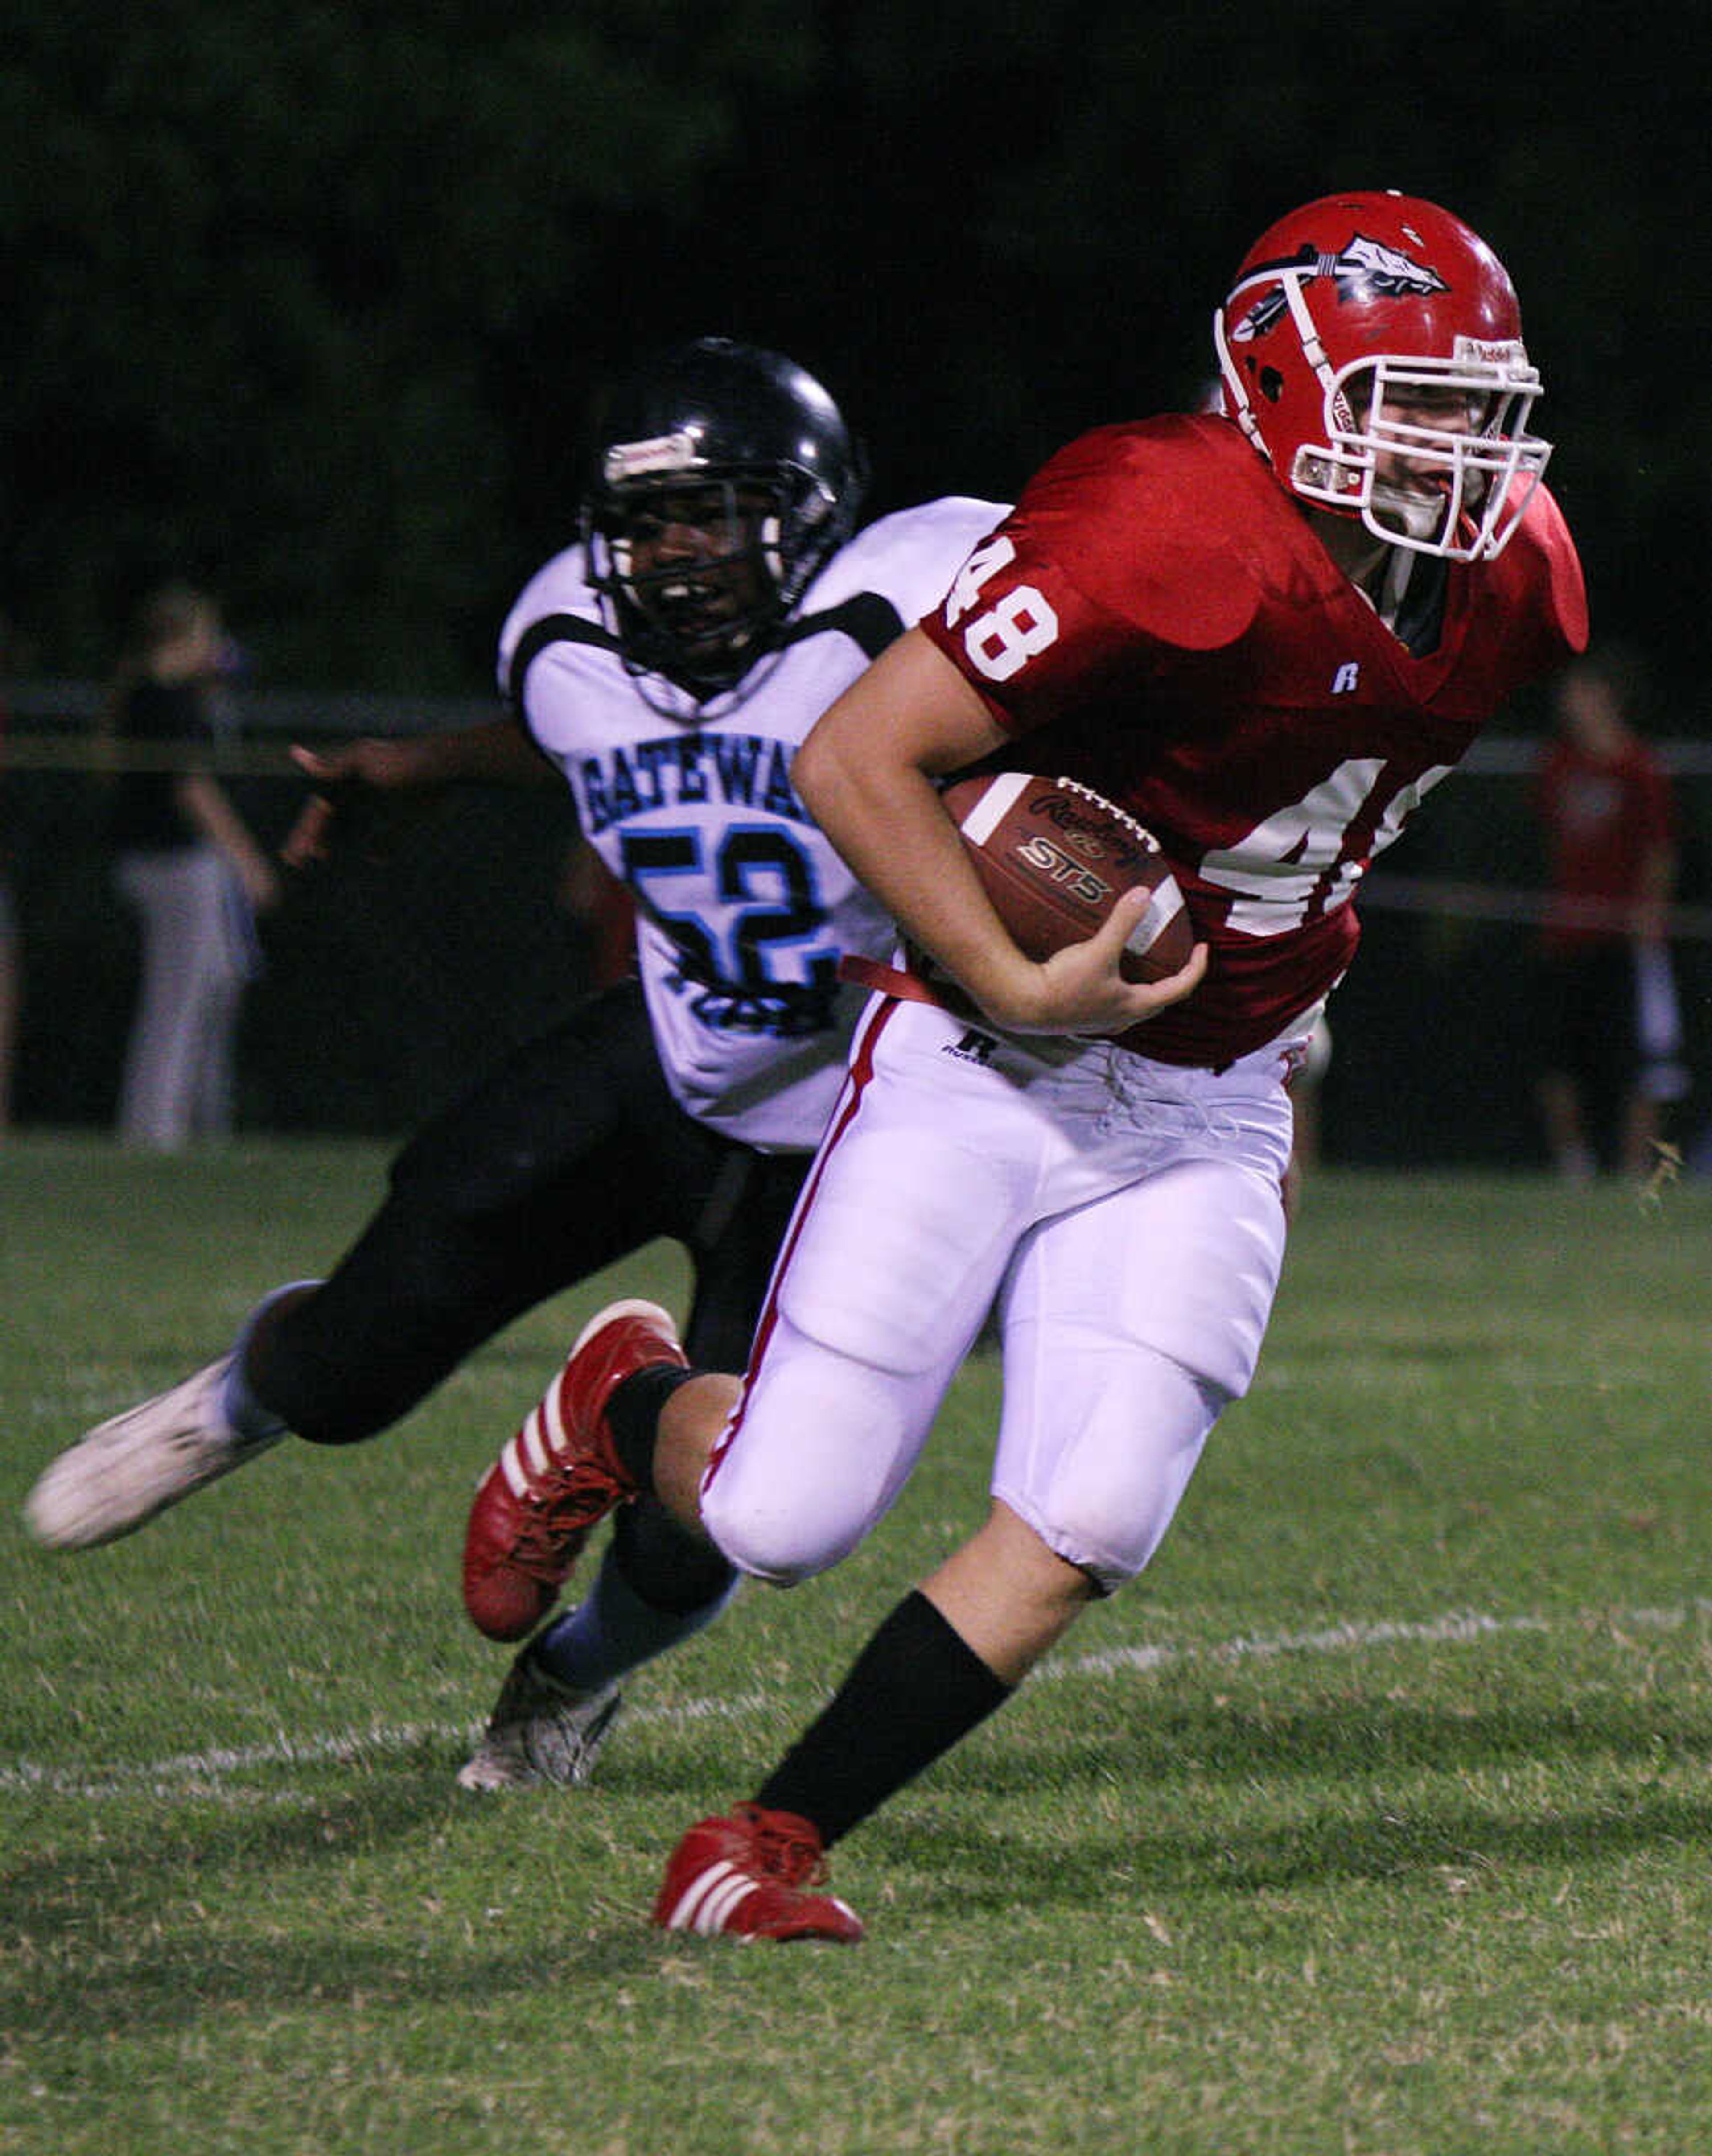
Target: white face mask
<point>1434,454</point>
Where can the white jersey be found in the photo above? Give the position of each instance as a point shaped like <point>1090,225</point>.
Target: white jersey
<point>743,908</point>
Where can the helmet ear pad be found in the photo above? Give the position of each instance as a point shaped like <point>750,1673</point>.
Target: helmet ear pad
<point>1348,324</point>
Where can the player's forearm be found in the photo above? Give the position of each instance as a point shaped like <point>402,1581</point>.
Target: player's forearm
<point>902,845</point>
<point>865,774</point>
<point>494,749</point>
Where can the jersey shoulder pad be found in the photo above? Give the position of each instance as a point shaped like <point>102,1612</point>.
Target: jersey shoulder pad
<point>560,586</point>
<point>909,557</point>
<point>1152,521</point>
<point>1543,545</point>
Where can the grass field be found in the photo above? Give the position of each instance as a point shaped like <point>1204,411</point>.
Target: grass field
<point>1375,1821</point>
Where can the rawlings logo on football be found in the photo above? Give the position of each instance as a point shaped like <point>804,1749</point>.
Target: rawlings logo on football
<point>1363,270</point>
<point>1105,832</point>
<point>1034,843</point>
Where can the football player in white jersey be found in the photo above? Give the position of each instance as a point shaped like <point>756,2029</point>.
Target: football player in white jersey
<point>668,663</point>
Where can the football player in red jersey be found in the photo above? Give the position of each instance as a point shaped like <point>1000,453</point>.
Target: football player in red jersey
<point>1266,633</point>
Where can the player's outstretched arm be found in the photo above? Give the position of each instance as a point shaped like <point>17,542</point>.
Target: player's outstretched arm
<point>351,782</point>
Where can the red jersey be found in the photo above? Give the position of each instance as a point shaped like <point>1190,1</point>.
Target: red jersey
<point>1606,818</point>
<point>1157,618</point>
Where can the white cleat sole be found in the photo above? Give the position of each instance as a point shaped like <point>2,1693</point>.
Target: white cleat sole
<point>134,1465</point>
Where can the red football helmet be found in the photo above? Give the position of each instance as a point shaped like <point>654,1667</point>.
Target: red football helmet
<point>1371,350</point>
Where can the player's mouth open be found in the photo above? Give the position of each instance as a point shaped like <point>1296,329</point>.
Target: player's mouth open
<point>693,610</point>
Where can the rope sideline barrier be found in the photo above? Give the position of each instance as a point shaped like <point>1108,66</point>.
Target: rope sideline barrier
<point>1479,901</point>
<point>87,757</point>
<point>72,748</point>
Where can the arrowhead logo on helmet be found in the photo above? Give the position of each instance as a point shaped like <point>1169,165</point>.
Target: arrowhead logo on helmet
<point>1362,269</point>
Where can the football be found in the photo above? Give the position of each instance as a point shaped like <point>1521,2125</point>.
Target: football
<point>1054,856</point>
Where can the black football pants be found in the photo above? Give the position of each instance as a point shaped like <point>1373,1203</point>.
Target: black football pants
<point>571,1154</point>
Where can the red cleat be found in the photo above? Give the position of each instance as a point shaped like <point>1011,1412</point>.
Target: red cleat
<point>744,1875</point>
<point>558,1476</point>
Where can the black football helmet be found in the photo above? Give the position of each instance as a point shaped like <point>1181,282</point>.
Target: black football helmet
<point>763,441</point>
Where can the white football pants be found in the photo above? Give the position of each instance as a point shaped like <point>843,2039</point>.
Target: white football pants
<point>1124,1213</point>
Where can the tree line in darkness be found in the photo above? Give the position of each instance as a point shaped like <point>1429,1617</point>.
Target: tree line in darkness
<point>308,301</point>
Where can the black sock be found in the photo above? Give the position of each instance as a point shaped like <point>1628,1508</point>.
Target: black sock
<point>916,1687</point>
<point>633,1416</point>
<point>663,1564</point>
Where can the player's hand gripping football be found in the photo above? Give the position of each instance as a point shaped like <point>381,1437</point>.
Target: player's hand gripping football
<point>1081,989</point>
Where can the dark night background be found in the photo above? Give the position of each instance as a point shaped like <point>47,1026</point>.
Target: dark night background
<point>306,302</point>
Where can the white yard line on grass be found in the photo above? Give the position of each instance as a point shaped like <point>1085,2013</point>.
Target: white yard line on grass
<point>209,1774</point>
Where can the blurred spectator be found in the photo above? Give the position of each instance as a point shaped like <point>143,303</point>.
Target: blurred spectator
<point>186,861</point>
<point>1614,1045</point>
